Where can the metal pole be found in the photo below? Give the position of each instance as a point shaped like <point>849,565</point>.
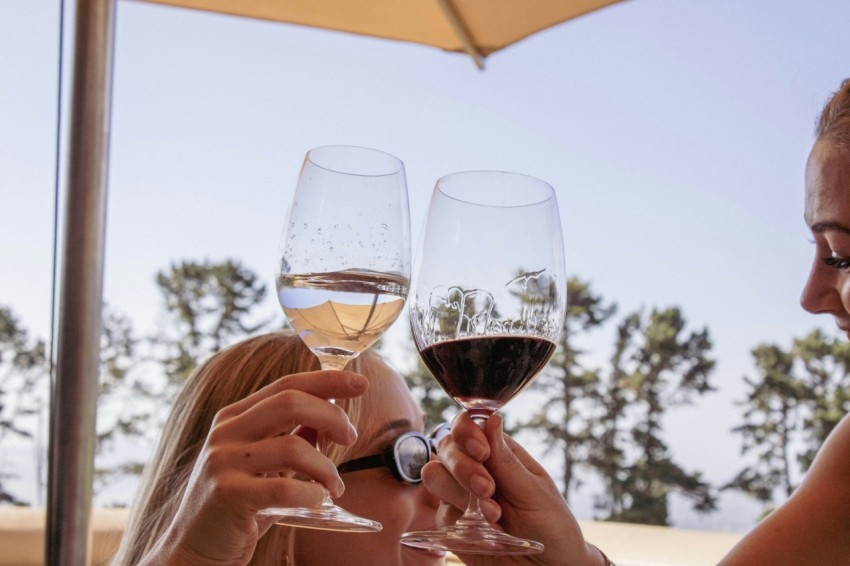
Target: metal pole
<point>74,395</point>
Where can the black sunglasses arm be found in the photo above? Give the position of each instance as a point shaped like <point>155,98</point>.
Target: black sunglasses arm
<point>363,463</point>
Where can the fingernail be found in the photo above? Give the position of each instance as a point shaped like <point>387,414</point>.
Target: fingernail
<point>476,449</point>
<point>492,511</point>
<point>480,486</point>
<point>497,418</point>
<point>357,381</point>
<point>352,432</point>
<point>339,488</point>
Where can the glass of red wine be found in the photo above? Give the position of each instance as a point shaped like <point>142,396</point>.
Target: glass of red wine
<point>486,310</point>
<point>343,273</point>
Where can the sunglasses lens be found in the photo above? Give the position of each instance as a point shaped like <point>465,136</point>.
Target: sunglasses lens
<point>412,454</point>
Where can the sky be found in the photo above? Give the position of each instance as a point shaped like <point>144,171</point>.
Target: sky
<point>675,134</point>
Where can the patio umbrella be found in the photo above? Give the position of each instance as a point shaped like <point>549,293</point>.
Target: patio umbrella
<point>476,27</point>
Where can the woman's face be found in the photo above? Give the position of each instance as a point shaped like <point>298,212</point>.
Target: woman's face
<point>388,412</point>
<point>827,214</point>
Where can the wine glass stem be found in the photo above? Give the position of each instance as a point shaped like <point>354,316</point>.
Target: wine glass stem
<point>473,517</point>
<point>332,363</point>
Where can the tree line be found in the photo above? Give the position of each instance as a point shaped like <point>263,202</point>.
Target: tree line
<point>603,421</point>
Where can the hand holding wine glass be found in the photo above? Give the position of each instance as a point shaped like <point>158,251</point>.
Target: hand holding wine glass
<point>344,271</point>
<point>487,308</point>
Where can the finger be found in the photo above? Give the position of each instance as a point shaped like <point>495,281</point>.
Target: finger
<point>506,452</point>
<point>325,384</point>
<point>282,455</point>
<point>440,482</point>
<point>271,492</point>
<point>467,434</point>
<point>282,412</point>
<point>469,472</point>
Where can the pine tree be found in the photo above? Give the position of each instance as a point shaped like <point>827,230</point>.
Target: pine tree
<point>658,367</point>
<point>569,386</point>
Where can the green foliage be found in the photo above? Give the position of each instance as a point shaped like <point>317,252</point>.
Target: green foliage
<point>791,407</point>
<point>656,366</point>
<point>131,410</point>
<point>208,306</point>
<point>568,384</point>
<point>607,420</point>
<point>24,387</point>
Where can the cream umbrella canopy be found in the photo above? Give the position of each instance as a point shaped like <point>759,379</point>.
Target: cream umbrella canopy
<point>476,27</point>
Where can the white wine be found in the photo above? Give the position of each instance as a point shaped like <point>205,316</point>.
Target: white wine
<point>344,312</point>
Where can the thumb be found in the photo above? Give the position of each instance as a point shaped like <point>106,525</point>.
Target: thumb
<point>502,459</point>
<point>509,463</point>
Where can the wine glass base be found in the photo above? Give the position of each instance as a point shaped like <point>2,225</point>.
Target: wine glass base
<point>322,518</point>
<point>464,540</point>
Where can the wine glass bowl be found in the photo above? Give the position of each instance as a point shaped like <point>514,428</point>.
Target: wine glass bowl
<point>486,310</point>
<point>343,272</point>
<point>345,251</point>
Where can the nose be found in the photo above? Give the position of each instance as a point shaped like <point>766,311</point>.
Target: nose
<point>820,294</point>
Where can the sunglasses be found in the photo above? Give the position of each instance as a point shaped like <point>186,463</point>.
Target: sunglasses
<point>405,458</point>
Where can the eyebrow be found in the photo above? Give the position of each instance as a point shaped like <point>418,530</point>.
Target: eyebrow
<point>820,227</point>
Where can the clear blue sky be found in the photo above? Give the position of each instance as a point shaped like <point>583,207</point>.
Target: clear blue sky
<point>675,134</point>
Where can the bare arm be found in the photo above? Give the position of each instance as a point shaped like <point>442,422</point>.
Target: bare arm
<point>813,526</point>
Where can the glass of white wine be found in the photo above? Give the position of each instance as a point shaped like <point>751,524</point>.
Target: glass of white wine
<point>344,272</point>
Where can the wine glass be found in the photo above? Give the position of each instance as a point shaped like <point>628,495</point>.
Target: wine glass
<point>344,272</point>
<point>487,307</point>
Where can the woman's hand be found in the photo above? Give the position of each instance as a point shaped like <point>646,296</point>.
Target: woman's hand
<point>248,462</point>
<point>515,491</point>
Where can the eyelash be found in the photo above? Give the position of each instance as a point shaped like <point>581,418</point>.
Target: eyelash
<point>837,262</point>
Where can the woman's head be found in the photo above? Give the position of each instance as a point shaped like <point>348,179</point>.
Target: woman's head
<point>827,212</point>
<point>388,411</point>
<point>235,373</point>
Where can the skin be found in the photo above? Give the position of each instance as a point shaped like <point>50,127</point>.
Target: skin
<point>813,526</point>
<point>827,214</point>
<point>391,411</point>
<point>247,463</point>
<point>527,503</point>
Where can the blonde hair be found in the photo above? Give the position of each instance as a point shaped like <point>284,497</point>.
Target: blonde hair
<point>226,377</point>
<point>834,120</point>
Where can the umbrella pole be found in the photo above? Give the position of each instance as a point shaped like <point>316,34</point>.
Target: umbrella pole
<point>74,394</point>
<point>461,31</point>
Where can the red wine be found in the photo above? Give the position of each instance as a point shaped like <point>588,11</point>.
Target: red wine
<point>482,373</point>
